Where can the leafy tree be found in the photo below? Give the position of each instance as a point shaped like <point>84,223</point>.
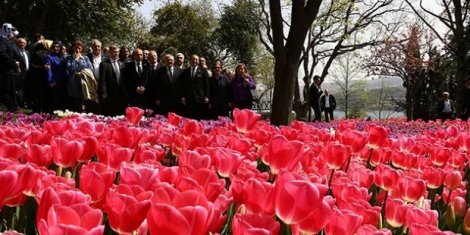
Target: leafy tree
<point>237,31</point>
<point>183,27</point>
<point>331,34</point>
<point>417,62</point>
<point>109,20</point>
<point>454,17</point>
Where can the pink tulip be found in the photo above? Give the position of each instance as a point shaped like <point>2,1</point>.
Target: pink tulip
<point>75,219</point>
<point>225,161</point>
<point>336,155</point>
<point>9,179</point>
<point>127,208</point>
<point>295,198</point>
<point>368,229</point>
<point>40,155</point>
<point>66,153</point>
<point>411,189</point>
<point>385,177</point>
<point>453,180</point>
<point>377,136</point>
<point>343,222</point>
<point>395,214</point>
<point>258,197</point>
<point>134,114</point>
<point>95,180</point>
<point>113,155</point>
<point>254,224</point>
<point>281,153</point>
<point>245,120</point>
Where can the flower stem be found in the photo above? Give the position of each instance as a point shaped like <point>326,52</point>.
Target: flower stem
<point>330,192</point>
<point>368,159</point>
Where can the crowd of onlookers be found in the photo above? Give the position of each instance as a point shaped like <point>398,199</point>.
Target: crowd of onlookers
<point>49,76</point>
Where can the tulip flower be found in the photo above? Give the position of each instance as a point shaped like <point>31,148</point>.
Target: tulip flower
<point>113,155</point>
<point>385,177</point>
<point>295,198</point>
<point>8,179</point>
<point>377,136</point>
<point>336,155</point>
<point>11,150</point>
<point>453,180</point>
<point>356,139</point>
<point>466,222</point>
<point>40,155</point>
<point>434,177</point>
<point>254,224</point>
<point>319,218</point>
<point>368,229</point>
<point>78,219</point>
<point>343,222</point>
<point>245,120</point>
<point>174,119</point>
<point>95,180</point>
<point>225,161</point>
<point>134,114</point>
<point>66,153</point>
<point>411,189</point>
<point>395,215</point>
<point>281,153</point>
<point>188,213</point>
<point>258,197</point>
<point>460,206</point>
<point>126,208</point>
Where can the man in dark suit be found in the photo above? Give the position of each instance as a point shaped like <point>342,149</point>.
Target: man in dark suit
<point>111,89</point>
<point>315,93</point>
<point>152,80</point>
<point>136,77</point>
<point>195,90</point>
<point>10,70</point>
<point>167,89</point>
<point>328,105</point>
<point>24,67</point>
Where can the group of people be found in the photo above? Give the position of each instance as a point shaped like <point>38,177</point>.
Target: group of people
<point>47,77</point>
<point>321,100</point>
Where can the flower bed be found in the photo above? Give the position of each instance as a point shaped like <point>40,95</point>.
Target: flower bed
<point>134,175</point>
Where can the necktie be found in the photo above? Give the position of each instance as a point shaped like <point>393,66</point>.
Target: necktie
<point>117,72</point>
<point>139,68</point>
<point>193,72</point>
<point>170,73</point>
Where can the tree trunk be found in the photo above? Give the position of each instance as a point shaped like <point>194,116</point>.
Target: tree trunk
<point>285,75</point>
<point>287,53</point>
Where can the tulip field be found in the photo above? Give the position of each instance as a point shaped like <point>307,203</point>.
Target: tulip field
<point>87,174</point>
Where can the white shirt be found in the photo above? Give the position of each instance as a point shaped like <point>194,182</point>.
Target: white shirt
<point>447,108</point>
<point>96,66</point>
<point>327,101</point>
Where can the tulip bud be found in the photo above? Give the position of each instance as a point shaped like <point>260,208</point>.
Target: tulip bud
<point>450,216</point>
<point>466,222</point>
<point>460,206</point>
<point>453,180</point>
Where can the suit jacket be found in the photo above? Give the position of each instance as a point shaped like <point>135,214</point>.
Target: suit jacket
<point>167,89</point>
<point>133,80</point>
<point>332,102</point>
<point>195,88</point>
<point>90,57</point>
<point>109,85</point>
<point>315,94</point>
<point>114,90</point>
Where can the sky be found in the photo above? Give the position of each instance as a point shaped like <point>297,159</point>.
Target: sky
<point>147,8</point>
